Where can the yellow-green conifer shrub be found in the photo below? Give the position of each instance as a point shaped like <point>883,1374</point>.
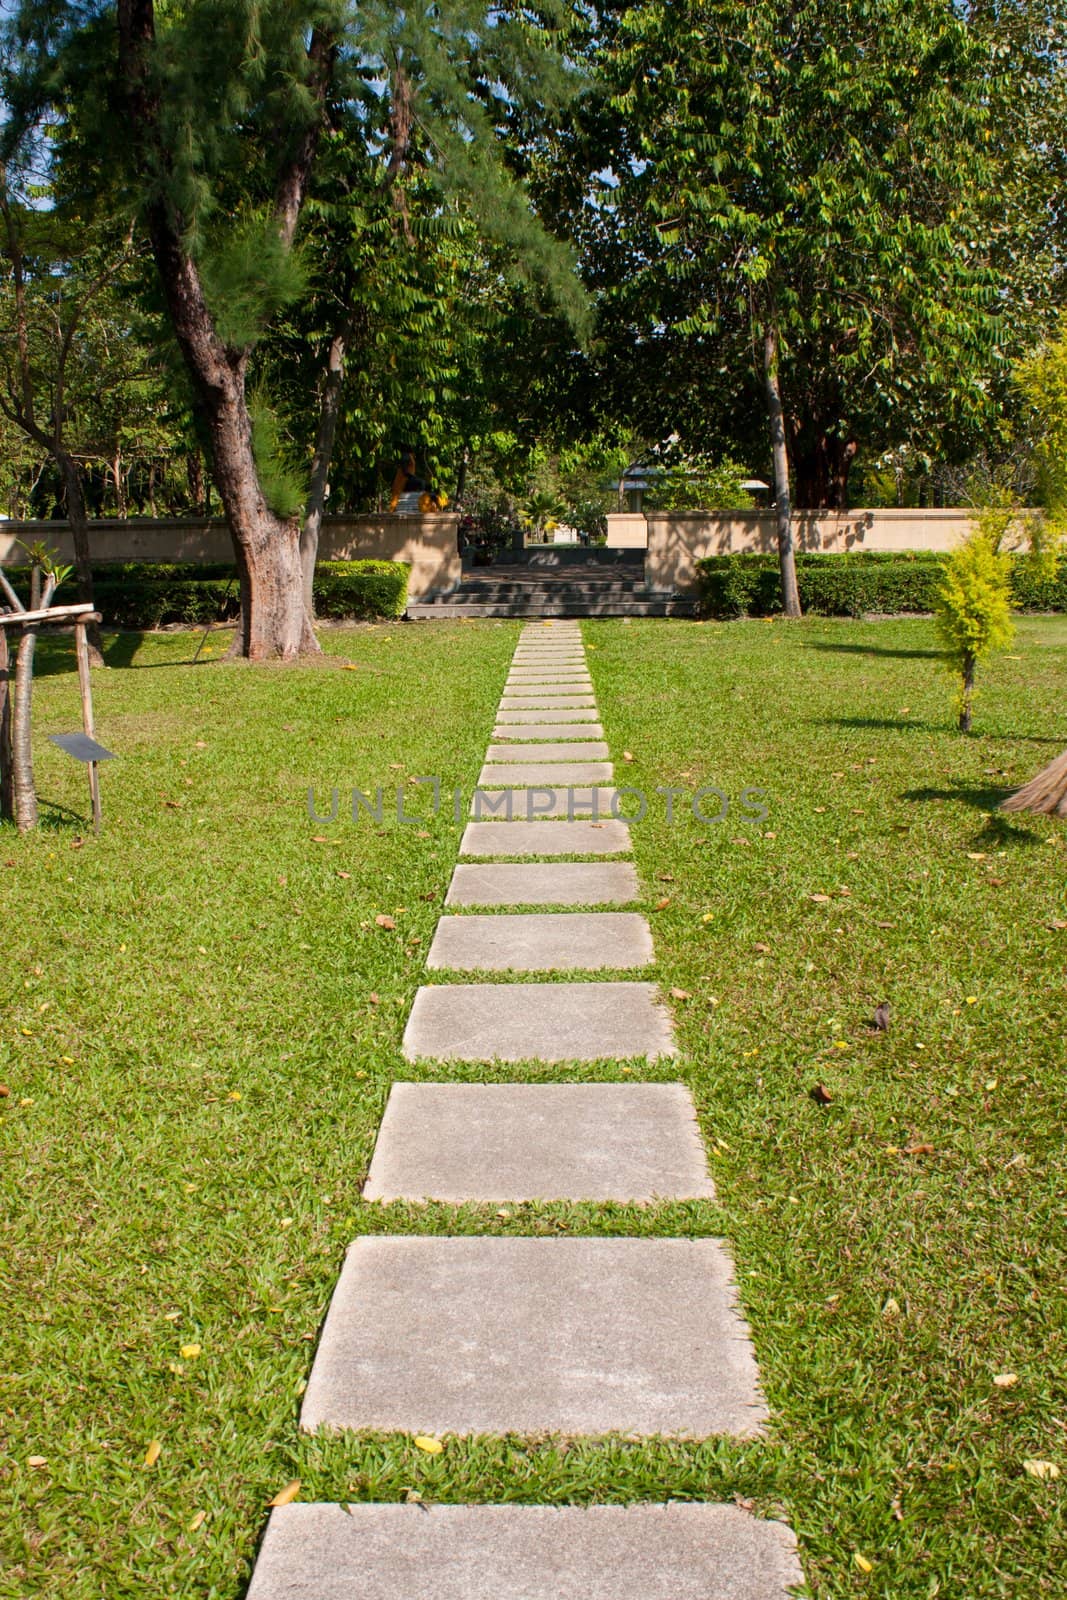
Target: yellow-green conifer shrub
<point>973,610</point>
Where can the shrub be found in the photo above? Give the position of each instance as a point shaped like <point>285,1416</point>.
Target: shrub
<point>135,595</point>
<point>858,582</point>
<point>973,610</point>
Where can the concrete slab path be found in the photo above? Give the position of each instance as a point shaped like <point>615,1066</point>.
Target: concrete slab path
<point>676,1551</point>
<point>538,1022</point>
<point>523,1335</point>
<point>460,1142</point>
<point>542,942</point>
<point>562,883</point>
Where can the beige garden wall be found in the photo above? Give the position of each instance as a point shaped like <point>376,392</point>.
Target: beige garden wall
<point>427,544</point>
<point>677,540</point>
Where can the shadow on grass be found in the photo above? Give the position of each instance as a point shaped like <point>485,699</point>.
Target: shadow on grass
<point>873,650</point>
<point>56,818</point>
<point>894,724</point>
<point>998,829</point>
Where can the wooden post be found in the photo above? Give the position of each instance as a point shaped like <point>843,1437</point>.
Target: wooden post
<point>81,650</point>
<point>7,776</point>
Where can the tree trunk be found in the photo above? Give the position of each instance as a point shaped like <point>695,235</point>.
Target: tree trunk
<point>194,474</point>
<point>274,620</point>
<point>117,480</point>
<point>968,693</point>
<point>786,558</point>
<point>329,411</point>
<point>7,776</point>
<point>78,518</point>
<point>25,795</point>
<point>822,468</point>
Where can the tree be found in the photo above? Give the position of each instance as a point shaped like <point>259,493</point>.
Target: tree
<point>55,274</point>
<point>225,111</point>
<point>823,178</point>
<point>973,606</point>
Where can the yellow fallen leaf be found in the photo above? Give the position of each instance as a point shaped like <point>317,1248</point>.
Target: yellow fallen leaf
<point>287,1495</point>
<point>197,1521</point>
<point>972,999</point>
<point>234,1094</point>
<point>189,1352</point>
<point>1046,1471</point>
<point>151,1455</point>
<point>67,1060</point>
<point>862,1562</point>
<point>709,916</point>
<point>1006,1380</point>
<point>432,1447</point>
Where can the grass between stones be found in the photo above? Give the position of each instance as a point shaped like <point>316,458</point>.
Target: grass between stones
<point>202,1018</point>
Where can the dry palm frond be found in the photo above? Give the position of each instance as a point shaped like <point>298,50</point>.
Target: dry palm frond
<point>1046,794</point>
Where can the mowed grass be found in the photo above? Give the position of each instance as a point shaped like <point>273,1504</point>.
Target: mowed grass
<point>202,1017</point>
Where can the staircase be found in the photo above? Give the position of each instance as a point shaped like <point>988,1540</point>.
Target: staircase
<point>552,581</point>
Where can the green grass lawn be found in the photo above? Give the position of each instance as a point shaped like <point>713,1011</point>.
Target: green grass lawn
<point>202,1017</point>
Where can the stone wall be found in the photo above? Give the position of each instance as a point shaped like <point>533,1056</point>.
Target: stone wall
<point>677,540</point>
<point>426,544</point>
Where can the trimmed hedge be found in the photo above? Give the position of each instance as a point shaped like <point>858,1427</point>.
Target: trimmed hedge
<point>145,594</point>
<point>852,584</point>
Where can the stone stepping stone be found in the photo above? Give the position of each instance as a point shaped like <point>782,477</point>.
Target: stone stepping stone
<point>546,839</point>
<point>551,772</point>
<point>524,1335</point>
<point>522,692</point>
<point>538,1022</point>
<point>547,675</point>
<point>562,883</point>
<point>677,1551</point>
<point>459,1142</point>
<point>527,715</point>
<point>521,732</point>
<point>574,803</point>
<point>576,941</point>
<point>556,659</point>
<point>554,750</point>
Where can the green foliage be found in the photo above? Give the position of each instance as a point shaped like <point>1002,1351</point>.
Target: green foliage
<point>829,170</point>
<point>697,483</point>
<point>135,595</point>
<point>856,584</point>
<point>972,607</point>
<point>1042,379</point>
<point>249,277</point>
<point>283,483</point>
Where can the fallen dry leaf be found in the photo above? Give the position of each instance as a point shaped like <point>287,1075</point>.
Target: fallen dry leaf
<point>196,1521</point>
<point>1046,1471</point>
<point>918,1149</point>
<point>762,949</point>
<point>341,874</point>
<point>661,905</point>
<point>821,899</point>
<point>681,994</point>
<point>384,922</point>
<point>286,1496</point>
<point>37,1461</point>
<point>372,999</point>
<point>821,1095</point>
<point>1006,1380</point>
